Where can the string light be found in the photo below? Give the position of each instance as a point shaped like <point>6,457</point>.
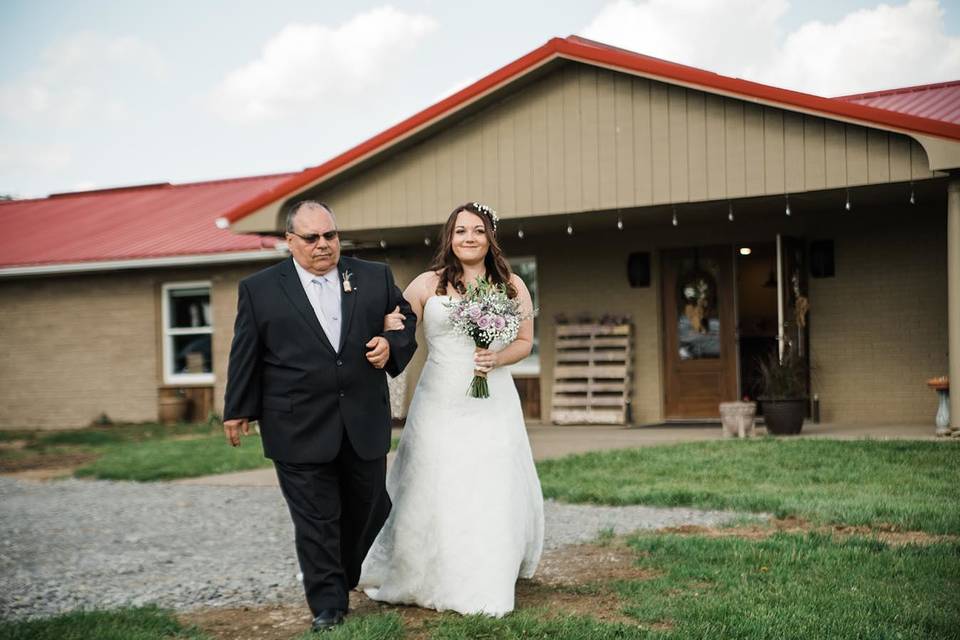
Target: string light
<point>913,198</point>
<point>730,212</point>
<point>520,233</point>
<point>569,229</point>
<point>675,221</point>
<point>847,206</point>
<point>787,209</point>
<point>426,241</point>
<point>620,223</point>
<point>383,244</point>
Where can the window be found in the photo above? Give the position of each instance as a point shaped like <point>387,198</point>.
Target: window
<point>187,333</point>
<point>526,268</point>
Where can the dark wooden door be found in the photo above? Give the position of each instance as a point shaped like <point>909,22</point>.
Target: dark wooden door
<point>700,358</point>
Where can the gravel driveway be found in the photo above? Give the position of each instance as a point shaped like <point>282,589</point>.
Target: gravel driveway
<point>82,544</point>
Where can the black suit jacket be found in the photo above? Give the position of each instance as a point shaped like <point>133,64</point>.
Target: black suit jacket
<point>304,391</point>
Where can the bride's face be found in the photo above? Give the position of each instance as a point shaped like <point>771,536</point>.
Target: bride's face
<point>469,242</point>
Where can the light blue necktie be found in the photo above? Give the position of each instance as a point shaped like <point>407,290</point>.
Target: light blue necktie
<point>329,299</point>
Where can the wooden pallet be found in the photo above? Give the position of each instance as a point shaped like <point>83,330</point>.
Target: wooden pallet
<point>592,374</point>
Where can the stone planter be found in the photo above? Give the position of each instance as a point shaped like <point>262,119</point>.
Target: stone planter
<point>784,417</point>
<point>737,419</point>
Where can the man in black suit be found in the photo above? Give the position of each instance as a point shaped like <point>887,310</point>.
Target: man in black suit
<point>307,361</point>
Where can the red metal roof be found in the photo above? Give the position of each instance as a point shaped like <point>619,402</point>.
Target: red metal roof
<point>939,101</point>
<point>148,221</point>
<point>589,51</point>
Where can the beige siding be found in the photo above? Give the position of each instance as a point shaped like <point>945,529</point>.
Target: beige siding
<point>584,139</point>
<point>587,139</point>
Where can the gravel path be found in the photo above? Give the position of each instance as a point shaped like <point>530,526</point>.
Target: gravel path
<point>79,544</point>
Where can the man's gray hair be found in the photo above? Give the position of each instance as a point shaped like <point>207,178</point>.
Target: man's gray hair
<point>308,204</point>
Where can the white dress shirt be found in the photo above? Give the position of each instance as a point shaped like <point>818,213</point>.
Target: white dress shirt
<point>323,292</point>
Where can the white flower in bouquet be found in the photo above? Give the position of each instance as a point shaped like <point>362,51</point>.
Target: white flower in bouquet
<point>487,315</point>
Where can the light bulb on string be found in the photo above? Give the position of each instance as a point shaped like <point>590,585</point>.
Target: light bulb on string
<point>383,244</point>
<point>730,212</point>
<point>913,197</point>
<point>426,241</point>
<point>787,208</point>
<point>675,221</point>
<point>846,205</point>
<point>520,233</point>
<point>569,229</point>
<point>619,223</point>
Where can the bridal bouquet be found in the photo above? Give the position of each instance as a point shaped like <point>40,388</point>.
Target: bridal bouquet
<point>485,314</point>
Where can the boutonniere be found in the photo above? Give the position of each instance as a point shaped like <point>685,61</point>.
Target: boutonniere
<point>347,285</point>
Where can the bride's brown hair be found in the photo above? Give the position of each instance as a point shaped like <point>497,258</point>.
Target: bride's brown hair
<point>446,264</point>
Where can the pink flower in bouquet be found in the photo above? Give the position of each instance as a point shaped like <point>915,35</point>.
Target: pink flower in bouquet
<point>499,322</point>
<point>483,322</point>
<point>474,312</point>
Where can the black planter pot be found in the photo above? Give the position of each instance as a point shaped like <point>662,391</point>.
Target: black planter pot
<point>784,417</point>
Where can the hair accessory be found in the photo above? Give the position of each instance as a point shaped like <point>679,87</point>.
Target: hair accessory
<point>487,211</point>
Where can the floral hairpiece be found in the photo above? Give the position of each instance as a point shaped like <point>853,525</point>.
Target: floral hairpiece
<point>487,211</point>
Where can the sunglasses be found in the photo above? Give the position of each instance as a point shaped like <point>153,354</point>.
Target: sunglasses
<point>312,238</point>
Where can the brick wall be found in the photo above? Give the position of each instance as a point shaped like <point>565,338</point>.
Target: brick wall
<point>878,329</point>
<point>78,346</point>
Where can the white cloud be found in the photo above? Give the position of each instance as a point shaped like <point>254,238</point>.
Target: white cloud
<point>79,79</point>
<point>307,64</point>
<point>879,48</point>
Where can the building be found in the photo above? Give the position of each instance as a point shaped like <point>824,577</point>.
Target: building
<point>723,217</point>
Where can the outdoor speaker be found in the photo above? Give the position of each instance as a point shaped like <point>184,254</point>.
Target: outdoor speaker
<point>638,269</point>
<point>821,259</point>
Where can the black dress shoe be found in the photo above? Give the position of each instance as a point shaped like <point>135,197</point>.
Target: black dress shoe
<point>327,619</point>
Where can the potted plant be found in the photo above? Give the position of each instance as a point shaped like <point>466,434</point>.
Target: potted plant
<point>783,396</point>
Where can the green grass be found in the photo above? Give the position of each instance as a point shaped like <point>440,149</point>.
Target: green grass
<point>531,626</point>
<point>912,485</point>
<point>795,586</point>
<point>147,623</point>
<point>381,626</point>
<point>171,459</point>
<point>140,452</point>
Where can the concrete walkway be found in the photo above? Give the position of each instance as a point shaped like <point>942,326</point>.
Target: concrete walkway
<point>549,441</point>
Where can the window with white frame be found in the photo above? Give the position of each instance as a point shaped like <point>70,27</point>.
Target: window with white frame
<point>187,333</point>
<point>526,268</point>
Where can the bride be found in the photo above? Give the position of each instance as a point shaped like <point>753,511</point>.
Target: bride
<point>467,516</point>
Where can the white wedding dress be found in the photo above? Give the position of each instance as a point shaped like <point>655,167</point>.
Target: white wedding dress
<point>467,516</point>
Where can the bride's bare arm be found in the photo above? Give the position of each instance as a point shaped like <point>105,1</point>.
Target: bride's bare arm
<point>519,349</point>
<point>419,291</point>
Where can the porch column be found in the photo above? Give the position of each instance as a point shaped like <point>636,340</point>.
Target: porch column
<point>953,298</point>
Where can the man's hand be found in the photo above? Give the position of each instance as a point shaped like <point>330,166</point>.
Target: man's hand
<point>232,429</point>
<point>379,351</point>
<point>393,321</point>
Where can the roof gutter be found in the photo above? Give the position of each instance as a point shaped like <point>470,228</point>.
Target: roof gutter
<point>143,263</point>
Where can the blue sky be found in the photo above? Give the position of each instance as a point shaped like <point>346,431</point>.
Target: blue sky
<point>104,93</point>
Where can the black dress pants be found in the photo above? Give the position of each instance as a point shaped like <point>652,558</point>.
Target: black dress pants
<point>337,507</point>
